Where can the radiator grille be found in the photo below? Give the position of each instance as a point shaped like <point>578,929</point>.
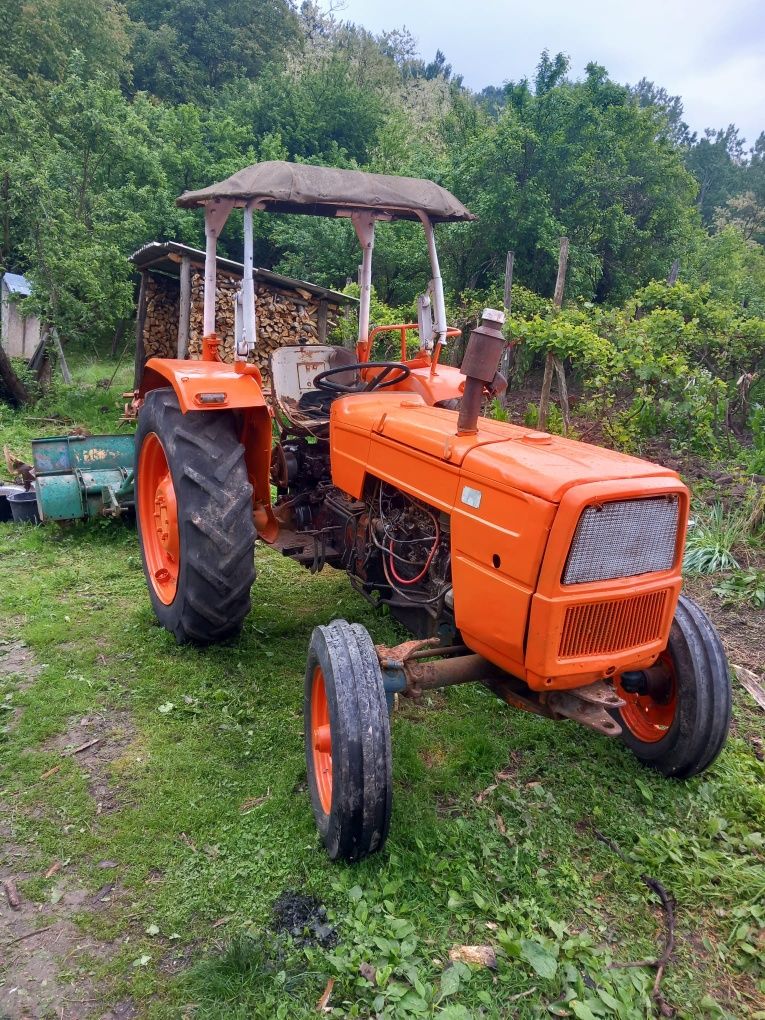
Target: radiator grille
<point>623,538</point>
<point>601,628</point>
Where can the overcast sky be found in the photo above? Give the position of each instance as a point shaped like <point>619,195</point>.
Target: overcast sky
<point>711,52</point>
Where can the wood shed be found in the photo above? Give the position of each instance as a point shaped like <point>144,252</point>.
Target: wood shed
<point>169,318</point>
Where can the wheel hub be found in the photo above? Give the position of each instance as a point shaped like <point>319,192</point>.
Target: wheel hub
<point>321,739</point>
<point>166,517</point>
<point>158,517</point>
<point>650,697</point>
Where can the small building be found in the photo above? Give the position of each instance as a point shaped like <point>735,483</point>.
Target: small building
<point>19,334</point>
<point>170,300</point>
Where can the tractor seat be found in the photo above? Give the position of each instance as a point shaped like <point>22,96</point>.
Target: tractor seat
<point>293,370</point>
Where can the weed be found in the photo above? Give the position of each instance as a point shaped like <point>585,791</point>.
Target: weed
<point>744,588</point>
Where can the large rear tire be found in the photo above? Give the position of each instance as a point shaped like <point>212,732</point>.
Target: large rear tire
<point>347,741</point>
<point>194,514</point>
<point>679,723</point>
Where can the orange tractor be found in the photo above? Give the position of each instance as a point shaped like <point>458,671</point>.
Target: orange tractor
<point>547,569</point>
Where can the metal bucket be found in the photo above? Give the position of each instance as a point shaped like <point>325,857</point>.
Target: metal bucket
<point>24,507</point>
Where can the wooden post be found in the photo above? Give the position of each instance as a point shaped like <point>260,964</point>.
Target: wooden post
<point>184,309</point>
<point>61,357</point>
<point>140,322</point>
<point>560,282</point>
<point>550,359</point>
<point>321,321</point>
<point>509,281</point>
<point>508,303</point>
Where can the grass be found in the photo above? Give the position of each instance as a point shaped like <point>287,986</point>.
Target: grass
<point>213,822</point>
<point>711,540</point>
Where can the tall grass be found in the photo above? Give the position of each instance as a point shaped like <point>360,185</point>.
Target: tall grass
<point>712,538</point>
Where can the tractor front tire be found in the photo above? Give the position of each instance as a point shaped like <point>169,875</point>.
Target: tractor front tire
<point>681,727</point>
<point>347,741</point>
<point>194,514</point>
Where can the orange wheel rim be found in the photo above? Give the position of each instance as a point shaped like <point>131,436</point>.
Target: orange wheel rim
<point>158,515</point>
<point>321,740</point>
<point>649,716</point>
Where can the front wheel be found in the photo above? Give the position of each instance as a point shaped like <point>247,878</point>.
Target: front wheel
<point>677,713</point>
<point>194,513</point>
<point>347,741</point>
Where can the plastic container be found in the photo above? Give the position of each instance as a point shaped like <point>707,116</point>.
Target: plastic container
<point>5,506</point>
<point>24,507</point>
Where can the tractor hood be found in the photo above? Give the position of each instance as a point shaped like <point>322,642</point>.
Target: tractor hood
<point>518,457</point>
<point>548,466</point>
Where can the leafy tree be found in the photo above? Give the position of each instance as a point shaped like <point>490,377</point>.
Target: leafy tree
<point>39,38</point>
<point>671,107</point>
<point>575,158</point>
<point>716,162</point>
<point>183,47</point>
<point>744,213</point>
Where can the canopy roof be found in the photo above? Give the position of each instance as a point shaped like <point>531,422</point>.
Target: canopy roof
<point>327,191</point>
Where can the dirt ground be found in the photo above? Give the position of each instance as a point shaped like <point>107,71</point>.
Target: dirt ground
<point>47,964</point>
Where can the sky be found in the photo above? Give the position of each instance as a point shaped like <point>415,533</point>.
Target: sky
<point>710,52</point>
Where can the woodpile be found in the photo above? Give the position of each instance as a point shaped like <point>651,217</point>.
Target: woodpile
<point>284,317</point>
<point>160,331</point>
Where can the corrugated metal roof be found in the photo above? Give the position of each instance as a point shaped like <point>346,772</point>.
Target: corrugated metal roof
<point>17,284</point>
<point>164,257</point>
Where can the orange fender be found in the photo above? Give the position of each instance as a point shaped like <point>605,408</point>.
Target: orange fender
<point>217,386</point>
<point>197,382</point>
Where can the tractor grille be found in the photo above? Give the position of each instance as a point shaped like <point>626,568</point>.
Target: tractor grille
<point>602,628</point>
<point>622,539</point>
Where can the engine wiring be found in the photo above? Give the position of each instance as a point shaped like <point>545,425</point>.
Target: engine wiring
<point>388,523</point>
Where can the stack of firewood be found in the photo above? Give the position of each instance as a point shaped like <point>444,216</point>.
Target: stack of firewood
<point>160,331</point>
<point>283,317</point>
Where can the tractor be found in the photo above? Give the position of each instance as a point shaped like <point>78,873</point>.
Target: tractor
<point>548,570</point>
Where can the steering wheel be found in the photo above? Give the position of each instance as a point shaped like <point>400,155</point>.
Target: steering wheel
<point>322,380</point>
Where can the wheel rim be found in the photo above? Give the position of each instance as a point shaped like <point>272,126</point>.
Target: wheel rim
<point>158,515</point>
<point>321,740</point>
<point>649,716</point>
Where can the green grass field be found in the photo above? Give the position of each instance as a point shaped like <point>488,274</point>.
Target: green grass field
<point>194,811</point>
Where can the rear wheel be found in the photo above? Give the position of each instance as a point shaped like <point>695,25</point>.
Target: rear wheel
<point>677,714</point>
<point>347,741</point>
<point>194,513</point>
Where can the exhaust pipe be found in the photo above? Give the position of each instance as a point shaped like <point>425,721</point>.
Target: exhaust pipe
<point>481,368</point>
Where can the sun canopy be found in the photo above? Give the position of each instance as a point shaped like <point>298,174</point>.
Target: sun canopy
<point>327,191</point>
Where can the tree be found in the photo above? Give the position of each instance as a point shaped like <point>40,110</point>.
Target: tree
<point>579,158</point>
<point>671,107</point>
<point>183,47</point>
<point>716,161</point>
<point>744,213</point>
<point>39,38</point>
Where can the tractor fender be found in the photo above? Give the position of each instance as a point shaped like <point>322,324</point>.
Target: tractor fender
<point>195,383</point>
<point>205,385</point>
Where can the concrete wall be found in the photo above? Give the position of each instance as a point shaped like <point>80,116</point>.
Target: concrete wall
<point>20,336</point>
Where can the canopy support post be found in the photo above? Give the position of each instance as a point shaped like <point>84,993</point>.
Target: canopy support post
<point>439,333</point>
<point>248,292</point>
<point>216,214</point>
<point>364,225</point>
